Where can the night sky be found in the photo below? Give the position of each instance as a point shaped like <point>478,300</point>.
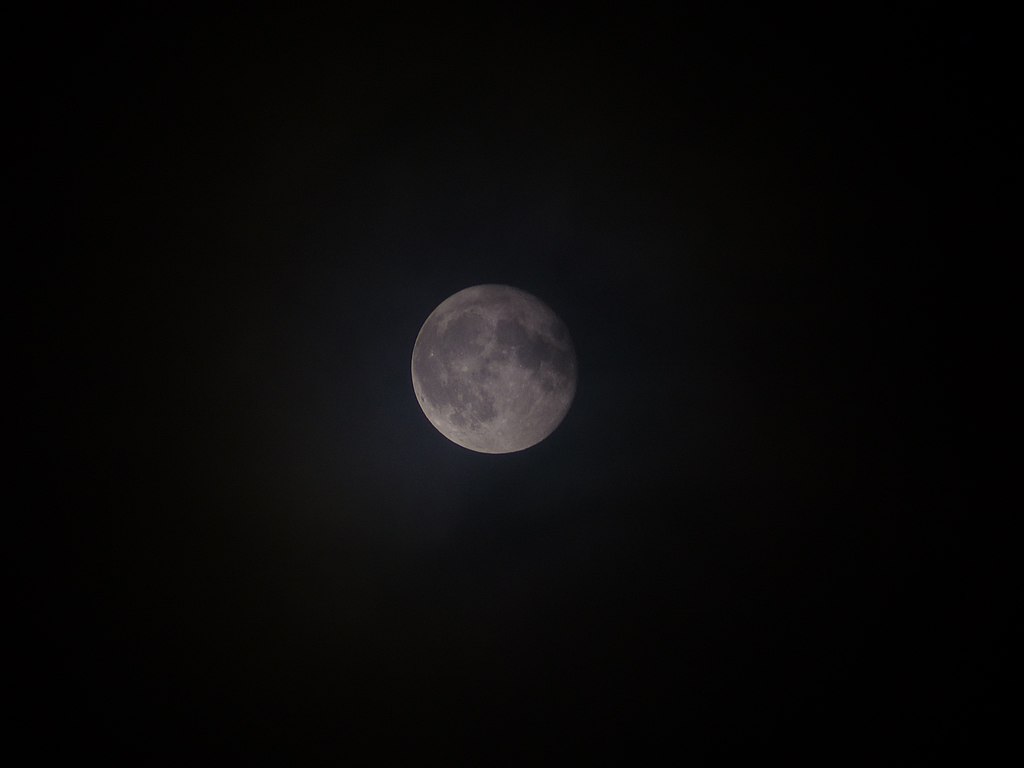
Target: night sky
<point>746,538</point>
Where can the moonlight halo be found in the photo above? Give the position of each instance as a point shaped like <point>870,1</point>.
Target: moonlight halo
<point>494,369</point>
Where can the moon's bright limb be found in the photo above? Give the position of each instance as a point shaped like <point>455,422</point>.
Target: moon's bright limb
<point>494,369</point>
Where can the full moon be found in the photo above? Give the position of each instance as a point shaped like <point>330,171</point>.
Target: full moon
<point>494,369</point>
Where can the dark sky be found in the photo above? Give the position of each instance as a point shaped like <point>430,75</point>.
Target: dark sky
<point>745,538</point>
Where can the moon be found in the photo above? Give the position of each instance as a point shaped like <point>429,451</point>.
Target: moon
<point>494,369</point>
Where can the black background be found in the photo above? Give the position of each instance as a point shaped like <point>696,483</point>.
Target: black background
<point>747,537</point>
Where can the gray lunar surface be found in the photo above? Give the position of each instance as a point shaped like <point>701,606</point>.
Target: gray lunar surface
<point>494,369</point>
